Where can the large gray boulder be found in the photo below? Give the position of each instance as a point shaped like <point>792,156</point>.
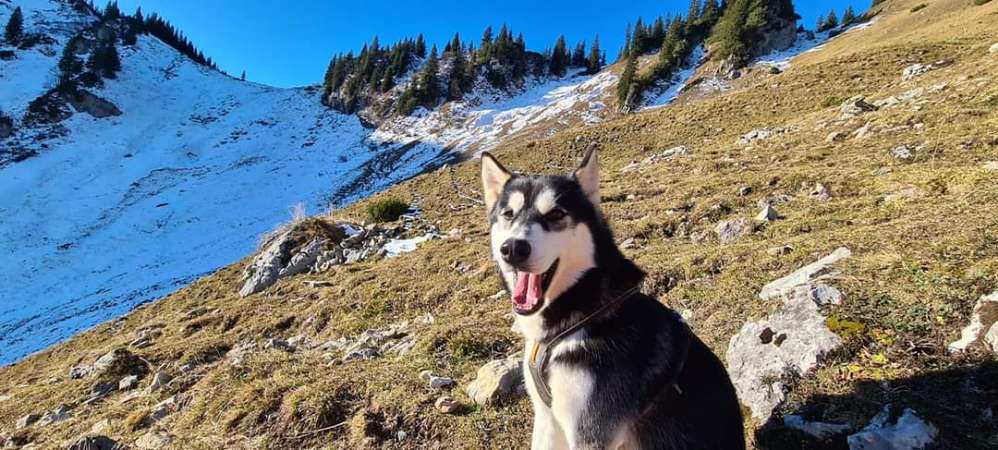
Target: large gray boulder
<point>95,442</point>
<point>820,269</point>
<point>888,431</point>
<point>116,363</point>
<point>730,230</point>
<point>500,378</point>
<point>984,319</point>
<point>276,261</point>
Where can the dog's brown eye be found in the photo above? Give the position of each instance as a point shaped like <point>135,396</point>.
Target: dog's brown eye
<point>507,214</point>
<point>555,215</point>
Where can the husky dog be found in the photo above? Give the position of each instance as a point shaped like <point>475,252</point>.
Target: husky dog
<point>606,366</point>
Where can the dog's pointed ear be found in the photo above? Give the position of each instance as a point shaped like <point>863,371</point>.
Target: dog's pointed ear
<point>588,176</point>
<point>494,178</point>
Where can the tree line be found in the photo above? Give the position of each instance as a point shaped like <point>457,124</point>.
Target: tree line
<point>500,59</point>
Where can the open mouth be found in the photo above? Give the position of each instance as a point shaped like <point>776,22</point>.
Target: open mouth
<point>528,294</point>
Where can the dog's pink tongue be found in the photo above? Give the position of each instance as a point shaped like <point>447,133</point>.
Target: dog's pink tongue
<point>527,292</point>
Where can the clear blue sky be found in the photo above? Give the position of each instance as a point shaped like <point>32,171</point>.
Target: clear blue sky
<point>289,43</point>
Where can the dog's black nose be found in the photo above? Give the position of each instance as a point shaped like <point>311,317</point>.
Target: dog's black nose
<point>515,251</point>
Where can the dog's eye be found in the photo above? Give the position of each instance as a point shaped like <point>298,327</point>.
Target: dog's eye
<point>507,213</point>
<point>554,215</point>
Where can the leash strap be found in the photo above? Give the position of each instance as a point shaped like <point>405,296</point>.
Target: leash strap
<point>539,355</point>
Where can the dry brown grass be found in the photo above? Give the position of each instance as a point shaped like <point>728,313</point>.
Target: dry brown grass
<point>924,236</point>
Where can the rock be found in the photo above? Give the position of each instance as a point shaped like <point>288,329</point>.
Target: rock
<point>990,166</point>
<point>744,191</point>
<point>863,131</point>
<point>303,259</point>
<point>440,382</point>
<point>855,106</point>
<point>729,230</point>
<point>101,426</point>
<point>819,192</point>
<point>264,270</point>
<point>128,383</point>
<point>237,356</point>
<point>665,155</point>
<point>118,362</point>
<point>447,405</point>
<point>758,134</point>
<point>982,318</point>
<point>993,49</point>
<point>79,372</point>
<point>94,443</point>
<point>280,344</point>
<point>780,250</point>
<point>835,136</point>
<point>153,440</point>
<point>27,421</point>
<point>163,409</point>
<point>85,101</point>
<point>805,275</point>
<point>159,381</point>
<point>499,378</point>
<point>820,430</point>
<point>774,200</point>
<point>628,244</point>
<point>906,432</point>
<point>101,390</point>
<point>59,414</point>
<point>915,70</point>
<point>767,214</point>
<point>819,293</point>
<point>902,152</point>
<point>765,354</point>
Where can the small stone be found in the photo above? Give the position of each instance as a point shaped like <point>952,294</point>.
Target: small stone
<point>767,214</point>
<point>280,344</point>
<point>819,192</point>
<point>163,409</point>
<point>990,166</point>
<point>915,70</point>
<point>628,244</point>
<point>497,379</point>
<point>993,49</point>
<point>820,430</point>
<point>855,106</point>
<point>447,405</point>
<point>59,414</point>
<point>27,421</point>
<point>835,136</point>
<point>744,190</point>
<point>128,383</point>
<point>101,426</point>
<point>118,362</point>
<point>729,230</point>
<point>159,381</point>
<point>94,443</point>
<point>780,250</point>
<point>902,152</point>
<point>78,372</point>
<point>440,382</point>
<point>152,440</point>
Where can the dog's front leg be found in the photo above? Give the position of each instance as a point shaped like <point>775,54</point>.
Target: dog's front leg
<point>547,435</point>
<point>584,426</point>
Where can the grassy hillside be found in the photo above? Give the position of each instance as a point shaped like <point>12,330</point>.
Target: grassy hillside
<point>923,232</point>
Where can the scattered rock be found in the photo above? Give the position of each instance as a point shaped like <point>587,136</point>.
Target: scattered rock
<point>272,263</point>
<point>59,414</point>
<point>280,344</point>
<point>780,250</point>
<point>237,356</point>
<point>85,101</point>
<point>744,190</point>
<point>902,152</point>
<point>729,230</point>
<point>767,214</point>
<point>163,409</point>
<point>915,70</point>
<point>984,317</point>
<point>447,405</point>
<point>855,106</point>
<point>888,431</point>
<point>101,426</point>
<point>303,259</point>
<point>95,443</point>
<point>500,378</point>
<point>665,155</point>
<point>628,244</point>
<point>815,271</point>
<point>760,133</point>
<point>993,49</point>
<point>819,293</point>
<point>440,382</point>
<point>128,383</point>
<point>774,200</point>
<point>101,390</point>
<point>835,136</point>
<point>79,372</point>
<point>153,440</point>
<point>819,192</point>
<point>159,381</point>
<point>118,362</point>
<point>27,421</point>
<point>760,368</point>
<point>820,430</point>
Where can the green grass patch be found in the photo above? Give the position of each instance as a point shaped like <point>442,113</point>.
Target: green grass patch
<point>981,2</point>
<point>387,210</point>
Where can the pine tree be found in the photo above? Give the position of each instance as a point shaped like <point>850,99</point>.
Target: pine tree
<point>711,12</point>
<point>626,51</point>
<point>458,83</point>
<point>693,14</point>
<point>243,76</point>
<point>70,65</point>
<point>595,62</point>
<point>14,30</point>
<point>429,84</point>
<point>848,17</point>
<point>420,49</point>
<point>559,57</point>
<point>626,80</point>
<point>832,21</point>
<point>819,25</point>
<point>639,40</point>
<point>111,11</point>
<point>579,55</point>
<point>105,60</point>
<point>658,31</point>
<point>138,15</point>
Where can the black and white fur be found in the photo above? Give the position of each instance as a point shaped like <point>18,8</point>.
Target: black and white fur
<point>610,380</point>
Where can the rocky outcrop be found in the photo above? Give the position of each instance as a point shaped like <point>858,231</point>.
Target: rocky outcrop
<point>117,363</point>
<point>95,443</point>
<point>759,134</point>
<point>766,355</point>
<point>889,431</point>
<point>983,326</point>
<point>496,380</point>
<point>665,155</point>
<point>730,230</point>
<point>86,102</point>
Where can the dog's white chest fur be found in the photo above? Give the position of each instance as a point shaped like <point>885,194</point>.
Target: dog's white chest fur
<point>570,388</point>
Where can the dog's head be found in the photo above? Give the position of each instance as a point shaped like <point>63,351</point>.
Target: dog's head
<point>541,229</point>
